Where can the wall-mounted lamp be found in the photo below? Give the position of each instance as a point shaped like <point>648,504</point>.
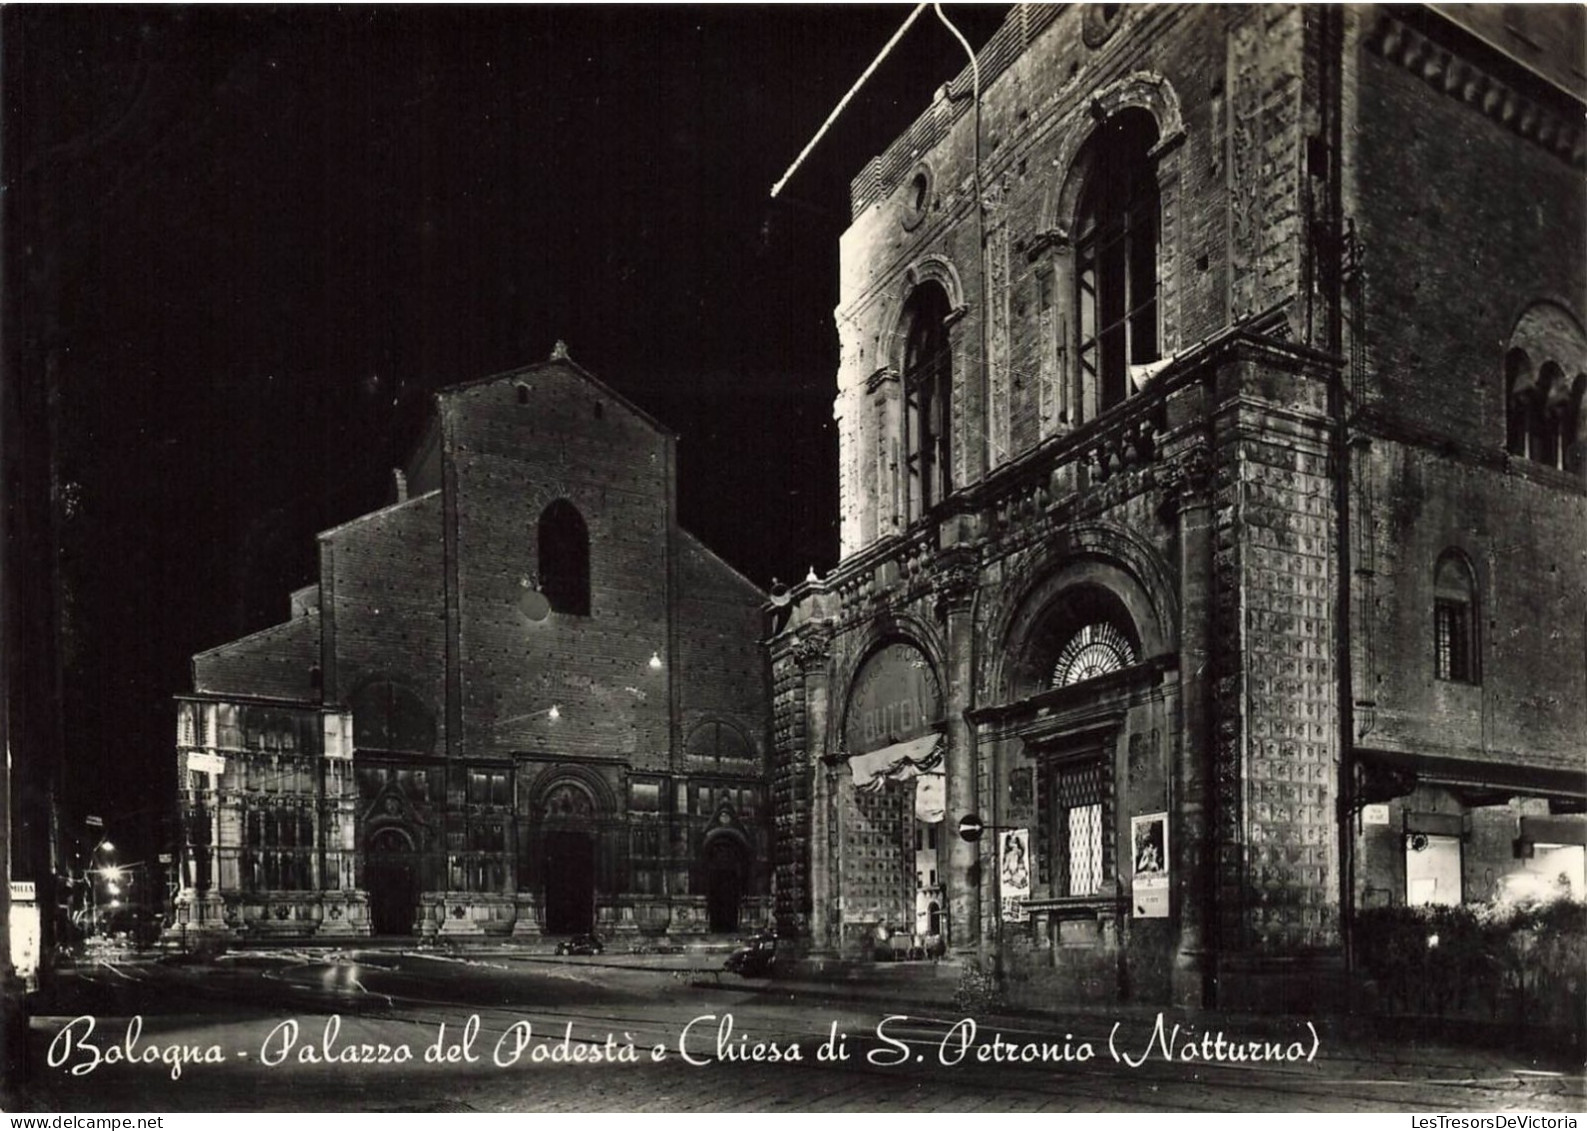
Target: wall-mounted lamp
<point>553,712</point>
<point>655,661</point>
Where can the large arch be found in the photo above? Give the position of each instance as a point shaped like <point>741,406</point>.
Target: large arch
<point>1097,556</point>
<point>894,627</point>
<point>1547,329</point>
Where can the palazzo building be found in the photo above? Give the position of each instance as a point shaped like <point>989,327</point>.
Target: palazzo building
<point>1213,514</point>
<point>518,700</point>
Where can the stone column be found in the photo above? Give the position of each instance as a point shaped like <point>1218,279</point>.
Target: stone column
<point>961,879</point>
<point>811,653</point>
<point>1190,479</point>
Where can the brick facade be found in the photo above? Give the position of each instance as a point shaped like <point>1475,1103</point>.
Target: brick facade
<point>500,765</point>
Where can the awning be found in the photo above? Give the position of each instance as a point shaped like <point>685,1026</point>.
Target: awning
<point>1500,776</point>
<point>898,762</point>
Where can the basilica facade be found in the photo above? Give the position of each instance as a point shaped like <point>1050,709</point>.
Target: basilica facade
<point>520,700</point>
<point>1212,472</point>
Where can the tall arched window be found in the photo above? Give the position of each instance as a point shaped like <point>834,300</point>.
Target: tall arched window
<point>928,393</point>
<point>1116,251</point>
<point>565,559</point>
<point>1455,620</point>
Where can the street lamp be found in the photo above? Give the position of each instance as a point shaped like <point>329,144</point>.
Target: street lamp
<point>90,875</point>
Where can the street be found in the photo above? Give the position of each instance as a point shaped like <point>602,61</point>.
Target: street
<point>424,1030</point>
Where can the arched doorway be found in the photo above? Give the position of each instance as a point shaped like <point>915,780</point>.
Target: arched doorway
<point>570,882</point>
<point>391,874</point>
<point>724,883</point>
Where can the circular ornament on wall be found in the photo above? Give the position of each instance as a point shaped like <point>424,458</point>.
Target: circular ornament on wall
<point>1099,22</point>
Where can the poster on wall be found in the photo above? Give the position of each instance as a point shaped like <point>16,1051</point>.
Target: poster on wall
<point>1013,854</point>
<point>1149,853</point>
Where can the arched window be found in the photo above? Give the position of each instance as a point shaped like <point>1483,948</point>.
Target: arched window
<point>1095,650</point>
<point>565,559</point>
<point>1546,419</point>
<point>1085,633</point>
<point>1454,620</point>
<point>1544,385</point>
<point>1518,394</point>
<point>389,716</point>
<point>1116,251</point>
<point>928,392</point>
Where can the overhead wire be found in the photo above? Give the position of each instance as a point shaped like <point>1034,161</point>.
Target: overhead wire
<point>846,99</point>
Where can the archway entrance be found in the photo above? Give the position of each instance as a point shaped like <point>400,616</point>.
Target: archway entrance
<point>724,884</point>
<point>391,874</point>
<point>570,883</point>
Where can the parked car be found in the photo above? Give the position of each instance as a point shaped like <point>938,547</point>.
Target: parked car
<point>580,944</point>
<point>755,959</point>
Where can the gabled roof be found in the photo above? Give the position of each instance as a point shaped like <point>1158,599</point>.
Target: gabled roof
<point>571,366</point>
<point>262,633</point>
<point>367,515</point>
<point>712,556</point>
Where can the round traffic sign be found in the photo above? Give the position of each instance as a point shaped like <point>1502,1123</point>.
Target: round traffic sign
<point>970,827</point>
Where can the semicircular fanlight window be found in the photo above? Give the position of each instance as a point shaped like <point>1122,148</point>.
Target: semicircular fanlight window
<point>1096,649</point>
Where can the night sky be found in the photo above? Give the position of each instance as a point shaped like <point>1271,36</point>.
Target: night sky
<point>243,245</point>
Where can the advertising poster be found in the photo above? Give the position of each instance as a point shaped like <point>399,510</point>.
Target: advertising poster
<point>1149,841</point>
<point>1013,851</point>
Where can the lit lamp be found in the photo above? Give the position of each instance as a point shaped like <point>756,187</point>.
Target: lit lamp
<point>655,661</point>
<point>553,712</point>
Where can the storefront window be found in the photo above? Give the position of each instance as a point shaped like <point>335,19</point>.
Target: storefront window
<point>1432,870</point>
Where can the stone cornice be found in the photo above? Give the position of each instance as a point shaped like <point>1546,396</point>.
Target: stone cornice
<point>1447,72</point>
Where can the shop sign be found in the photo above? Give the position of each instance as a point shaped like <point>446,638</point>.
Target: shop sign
<point>206,763</point>
<point>895,698</point>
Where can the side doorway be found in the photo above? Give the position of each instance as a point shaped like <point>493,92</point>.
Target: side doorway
<point>726,879</point>
<point>391,876</point>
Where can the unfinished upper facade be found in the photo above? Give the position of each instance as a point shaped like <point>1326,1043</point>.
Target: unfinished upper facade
<point>1213,515</point>
<point>520,700</point>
